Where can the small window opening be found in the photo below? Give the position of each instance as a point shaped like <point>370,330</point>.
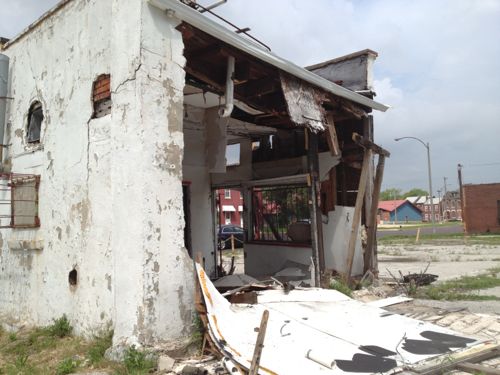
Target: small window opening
<point>233,155</point>
<point>35,118</point>
<point>73,277</point>
<point>101,96</point>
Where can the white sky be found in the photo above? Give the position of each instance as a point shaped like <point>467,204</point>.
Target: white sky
<point>438,67</point>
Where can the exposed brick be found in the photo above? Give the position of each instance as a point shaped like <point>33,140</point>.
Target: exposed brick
<point>481,208</point>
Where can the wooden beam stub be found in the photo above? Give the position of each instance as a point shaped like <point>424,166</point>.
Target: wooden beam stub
<point>367,144</point>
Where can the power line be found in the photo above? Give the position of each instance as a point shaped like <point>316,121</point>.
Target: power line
<point>482,164</point>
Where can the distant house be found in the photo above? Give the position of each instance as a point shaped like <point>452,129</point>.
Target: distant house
<point>398,211</point>
<point>481,208</point>
<point>423,203</point>
<point>451,206</point>
<point>230,207</point>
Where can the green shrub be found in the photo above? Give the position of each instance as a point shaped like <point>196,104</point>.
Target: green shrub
<point>12,336</point>
<point>99,346</point>
<point>61,327</point>
<point>136,361</point>
<point>67,366</point>
<point>341,287</point>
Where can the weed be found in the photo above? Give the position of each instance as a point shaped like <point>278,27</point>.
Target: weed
<point>12,336</point>
<point>21,361</point>
<point>67,366</point>
<point>136,361</point>
<point>341,286</point>
<point>98,347</point>
<point>61,327</point>
<point>198,330</point>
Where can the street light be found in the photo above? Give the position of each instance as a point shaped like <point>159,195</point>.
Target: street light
<point>426,145</point>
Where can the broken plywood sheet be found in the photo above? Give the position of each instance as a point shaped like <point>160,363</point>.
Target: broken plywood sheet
<point>318,331</point>
<point>303,103</point>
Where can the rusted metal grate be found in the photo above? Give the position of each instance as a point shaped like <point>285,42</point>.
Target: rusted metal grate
<point>19,200</point>
<point>281,214</point>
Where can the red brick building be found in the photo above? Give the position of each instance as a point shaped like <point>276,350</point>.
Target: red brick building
<point>481,208</point>
<point>230,207</point>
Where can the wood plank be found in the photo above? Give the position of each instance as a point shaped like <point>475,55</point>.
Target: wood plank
<point>314,196</point>
<point>369,257</point>
<point>259,344</point>
<point>331,136</point>
<point>356,220</point>
<point>475,368</point>
<point>438,367</point>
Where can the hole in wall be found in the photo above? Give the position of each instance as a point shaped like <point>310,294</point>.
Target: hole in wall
<point>73,277</point>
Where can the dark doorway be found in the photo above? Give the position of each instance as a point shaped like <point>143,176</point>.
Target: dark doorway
<point>186,203</point>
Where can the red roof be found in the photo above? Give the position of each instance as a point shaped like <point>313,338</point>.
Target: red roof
<point>391,205</point>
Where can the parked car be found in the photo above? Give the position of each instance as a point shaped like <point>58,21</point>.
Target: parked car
<point>224,236</point>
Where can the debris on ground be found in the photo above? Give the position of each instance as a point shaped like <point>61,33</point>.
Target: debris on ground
<point>302,325</point>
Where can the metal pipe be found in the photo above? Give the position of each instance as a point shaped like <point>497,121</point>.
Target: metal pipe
<point>229,95</point>
<point>212,6</point>
<point>4,81</point>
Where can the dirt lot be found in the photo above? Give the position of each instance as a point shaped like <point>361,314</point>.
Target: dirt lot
<point>446,260</point>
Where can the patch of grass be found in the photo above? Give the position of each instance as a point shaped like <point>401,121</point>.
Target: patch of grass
<point>12,336</point>
<point>67,366</point>
<point>444,238</point>
<point>461,288</point>
<point>341,286</point>
<point>61,327</point>
<point>40,351</point>
<point>136,362</point>
<point>98,347</point>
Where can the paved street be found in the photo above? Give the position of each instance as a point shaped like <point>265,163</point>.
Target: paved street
<point>424,230</point>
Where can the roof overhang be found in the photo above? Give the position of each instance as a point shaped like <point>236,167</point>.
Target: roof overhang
<point>191,16</point>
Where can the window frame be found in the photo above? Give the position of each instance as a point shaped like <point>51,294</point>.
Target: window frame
<point>35,110</point>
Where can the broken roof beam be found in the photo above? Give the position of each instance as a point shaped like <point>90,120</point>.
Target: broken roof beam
<point>367,144</point>
<point>177,9</point>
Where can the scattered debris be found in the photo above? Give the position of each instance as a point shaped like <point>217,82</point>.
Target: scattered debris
<point>420,279</point>
<point>303,324</point>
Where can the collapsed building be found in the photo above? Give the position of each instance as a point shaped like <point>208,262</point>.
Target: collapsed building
<point>119,117</point>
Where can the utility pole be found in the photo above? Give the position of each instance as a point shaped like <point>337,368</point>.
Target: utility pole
<point>459,167</point>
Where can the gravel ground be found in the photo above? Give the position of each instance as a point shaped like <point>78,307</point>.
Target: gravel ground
<point>446,261</point>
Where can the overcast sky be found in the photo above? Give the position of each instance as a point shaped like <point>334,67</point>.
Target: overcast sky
<point>438,67</point>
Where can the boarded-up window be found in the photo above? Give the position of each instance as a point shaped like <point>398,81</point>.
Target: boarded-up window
<point>101,96</point>
<point>34,127</point>
<point>19,201</point>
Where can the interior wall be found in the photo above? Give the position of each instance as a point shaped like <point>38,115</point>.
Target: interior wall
<point>336,233</point>
<point>195,171</point>
<point>267,259</point>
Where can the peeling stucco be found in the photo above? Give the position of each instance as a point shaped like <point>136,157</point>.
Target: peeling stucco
<point>111,188</point>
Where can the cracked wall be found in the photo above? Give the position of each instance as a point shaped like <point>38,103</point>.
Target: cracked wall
<point>111,192</point>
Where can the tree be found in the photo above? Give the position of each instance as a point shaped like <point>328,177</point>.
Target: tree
<point>390,194</point>
<point>415,192</point>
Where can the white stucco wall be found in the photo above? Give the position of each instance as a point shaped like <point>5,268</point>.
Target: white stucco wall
<point>56,64</point>
<point>111,192</point>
